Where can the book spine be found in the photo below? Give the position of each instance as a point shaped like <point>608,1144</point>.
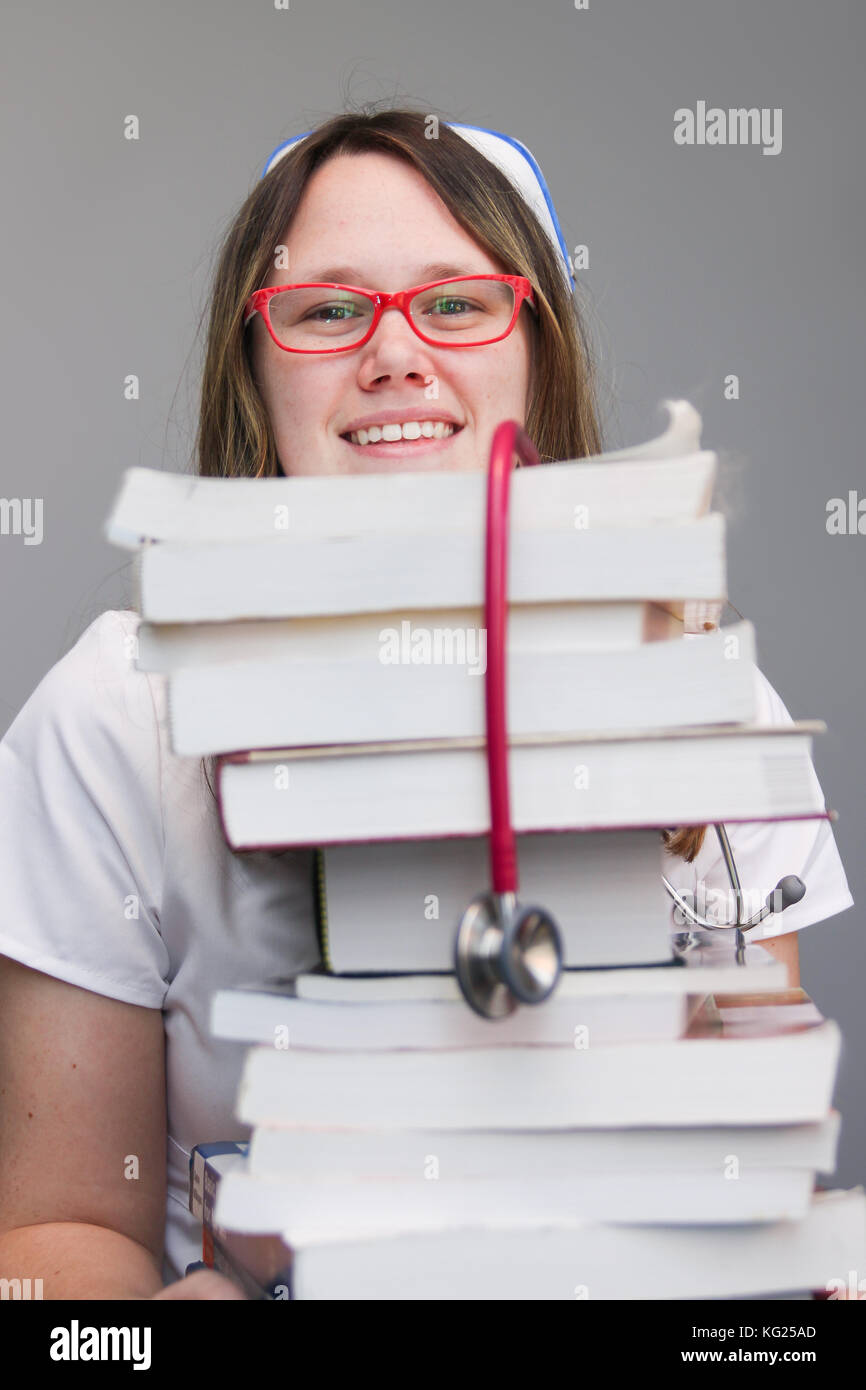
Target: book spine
<point>202,1161</point>
<point>259,1264</point>
<point>253,1266</point>
<point>321,909</point>
<point>202,1173</point>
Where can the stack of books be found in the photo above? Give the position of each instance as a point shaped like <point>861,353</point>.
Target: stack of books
<point>668,1169</point>
<point>322,636</point>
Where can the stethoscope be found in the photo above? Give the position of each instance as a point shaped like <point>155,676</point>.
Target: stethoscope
<point>506,954</point>
<point>788,890</point>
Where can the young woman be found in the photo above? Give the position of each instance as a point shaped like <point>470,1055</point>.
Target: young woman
<point>123,909</point>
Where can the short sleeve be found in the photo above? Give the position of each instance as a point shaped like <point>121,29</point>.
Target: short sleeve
<point>766,851</point>
<point>81,835</point>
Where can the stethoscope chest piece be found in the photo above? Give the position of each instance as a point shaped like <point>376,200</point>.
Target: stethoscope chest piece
<point>505,954</point>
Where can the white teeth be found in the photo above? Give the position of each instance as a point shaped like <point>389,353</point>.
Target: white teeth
<point>410,429</point>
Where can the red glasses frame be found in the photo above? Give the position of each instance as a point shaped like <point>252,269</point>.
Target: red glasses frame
<point>259,302</point>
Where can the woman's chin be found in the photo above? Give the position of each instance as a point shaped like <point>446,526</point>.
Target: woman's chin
<point>421,457</point>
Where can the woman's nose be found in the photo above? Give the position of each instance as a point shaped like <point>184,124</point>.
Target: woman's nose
<point>395,346</point>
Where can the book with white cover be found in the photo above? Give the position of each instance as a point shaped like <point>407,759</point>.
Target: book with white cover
<point>628,526</point>
<point>427,789</point>
<point>394,906</point>
<point>374,1208</point>
<point>406,689</point>
<point>594,1260</point>
<point>279,577</point>
<point>559,1154</point>
<point>666,479</point>
<point>280,1018</point>
<point>571,627</point>
<point>772,1079</point>
<point>707,967</point>
<point>427,1010</point>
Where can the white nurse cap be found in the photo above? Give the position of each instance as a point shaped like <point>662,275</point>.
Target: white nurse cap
<point>516,162</point>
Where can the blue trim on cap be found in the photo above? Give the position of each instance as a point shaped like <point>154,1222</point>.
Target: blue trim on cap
<point>531,161</point>
<point>284,145</point>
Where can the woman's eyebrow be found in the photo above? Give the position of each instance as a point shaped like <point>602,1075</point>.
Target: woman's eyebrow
<point>350,275</point>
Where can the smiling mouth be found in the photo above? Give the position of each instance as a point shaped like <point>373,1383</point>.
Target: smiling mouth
<point>425,435</point>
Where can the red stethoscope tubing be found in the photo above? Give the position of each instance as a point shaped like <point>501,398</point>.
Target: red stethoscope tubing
<point>508,440</point>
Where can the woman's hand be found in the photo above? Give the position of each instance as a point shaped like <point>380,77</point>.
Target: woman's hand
<point>202,1284</point>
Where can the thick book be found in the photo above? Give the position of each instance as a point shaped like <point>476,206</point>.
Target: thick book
<point>280,1018</point>
<point>633,525</point>
<point>303,1208</point>
<point>594,1260</point>
<point>783,1075</point>
<point>703,964</point>
<point>428,789</point>
<point>427,1011</point>
<point>288,577</point>
<point>573,627</point>
<point>557,1154</point>
<point>395,906</point>
<point>668,479</point>
<point>404,687</point>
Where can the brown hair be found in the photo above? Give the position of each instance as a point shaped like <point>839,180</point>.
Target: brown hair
<point>234,437</point>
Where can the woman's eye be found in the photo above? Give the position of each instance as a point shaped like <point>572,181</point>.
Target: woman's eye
<point>332,313</point>
<point>447,305</point>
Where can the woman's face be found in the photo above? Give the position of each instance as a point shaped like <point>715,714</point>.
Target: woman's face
<point>381,223</point>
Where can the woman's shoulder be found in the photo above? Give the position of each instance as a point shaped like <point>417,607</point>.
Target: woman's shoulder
<point>94,694</point>
<point>769,705</point>
<point>81,816</point>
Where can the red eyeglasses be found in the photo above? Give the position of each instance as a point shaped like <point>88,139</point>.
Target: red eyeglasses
<point>467,312</point>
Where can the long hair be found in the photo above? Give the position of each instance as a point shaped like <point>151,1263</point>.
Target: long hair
<point>234,437</point>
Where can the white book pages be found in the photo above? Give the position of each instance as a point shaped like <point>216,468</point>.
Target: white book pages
<point>597,1261</point>
<point>777,1079</point>
<point>558,1154</point>
<point>341,1209</point>
<point>572,627</point>
<point>406,687</point>
<point>668,479</point>
<point>317,797</point>
<point>229,580</point>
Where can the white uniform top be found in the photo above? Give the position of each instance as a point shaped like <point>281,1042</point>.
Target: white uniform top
<point>116,878</point>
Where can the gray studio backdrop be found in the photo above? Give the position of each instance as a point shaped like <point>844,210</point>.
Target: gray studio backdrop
<point>704,261</point>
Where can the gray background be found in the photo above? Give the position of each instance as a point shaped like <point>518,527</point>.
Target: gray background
<point>703,261</point>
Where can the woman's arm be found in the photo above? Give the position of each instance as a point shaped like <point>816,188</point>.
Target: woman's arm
<point>786,949</point>
<point>82,1138</point>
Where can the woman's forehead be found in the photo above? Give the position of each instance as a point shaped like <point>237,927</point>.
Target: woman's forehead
<point>375,198</point>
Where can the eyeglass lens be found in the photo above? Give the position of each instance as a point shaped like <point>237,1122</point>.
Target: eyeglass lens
<point>459,311</point>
